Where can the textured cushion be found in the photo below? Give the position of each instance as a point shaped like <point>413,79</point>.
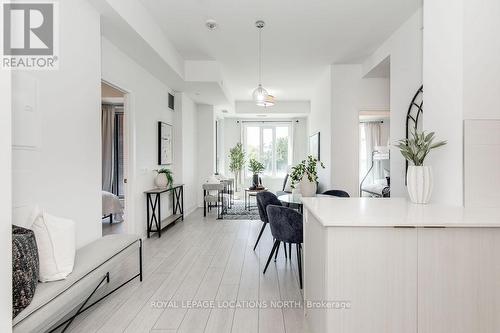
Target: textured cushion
<point>55,237</point>
<point>25,267</point>
<point>54,299</point>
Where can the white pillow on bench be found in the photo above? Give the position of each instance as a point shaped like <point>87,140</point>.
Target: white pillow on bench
<point>55,238</point>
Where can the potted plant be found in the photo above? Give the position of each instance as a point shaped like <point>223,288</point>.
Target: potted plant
<point>256,168</point>
<point>164,178</point>
<point>306,173</point>
<point>419,176</point>
<point>237,162</point>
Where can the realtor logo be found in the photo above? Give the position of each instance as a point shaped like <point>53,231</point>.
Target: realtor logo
<point>30,34</point>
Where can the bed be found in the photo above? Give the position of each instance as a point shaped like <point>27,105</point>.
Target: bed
<point>379,187</point>
<point>111,207</point>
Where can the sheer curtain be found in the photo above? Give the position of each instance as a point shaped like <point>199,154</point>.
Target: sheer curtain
<point>108,151</point>
<point>369,138</point>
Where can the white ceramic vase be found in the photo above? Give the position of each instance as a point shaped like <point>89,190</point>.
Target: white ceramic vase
<point>307,188</point>
<point>161,180</point>
<point>419,183</point>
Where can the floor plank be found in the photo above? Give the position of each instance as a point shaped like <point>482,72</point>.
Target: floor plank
<point>209,260</point>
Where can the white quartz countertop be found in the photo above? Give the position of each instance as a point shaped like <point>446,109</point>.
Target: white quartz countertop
<point>395,212</point>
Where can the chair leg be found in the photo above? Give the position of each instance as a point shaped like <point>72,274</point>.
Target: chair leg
<point>260,235</point>
<point>299,262</point>
<point>284,247</point>
<point>275,246</point>
<point>277,250</point>
<point>290,250</point>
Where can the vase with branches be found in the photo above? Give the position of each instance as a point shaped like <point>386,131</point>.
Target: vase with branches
<point>237,162</point>
<point>415,150</point>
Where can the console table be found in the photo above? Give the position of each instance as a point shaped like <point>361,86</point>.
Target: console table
<point>153,204</point>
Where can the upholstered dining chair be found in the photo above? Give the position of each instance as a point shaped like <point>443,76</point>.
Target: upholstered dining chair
<point>337,193</point>
<point>215,194</point>
<point>263,200</point>
<point>286,226</point>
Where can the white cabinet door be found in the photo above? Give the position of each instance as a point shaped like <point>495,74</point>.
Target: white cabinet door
<point>459,280</point>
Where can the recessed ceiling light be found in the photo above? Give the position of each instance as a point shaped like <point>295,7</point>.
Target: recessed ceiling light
<point>211,24</point>
<point>261,115</point>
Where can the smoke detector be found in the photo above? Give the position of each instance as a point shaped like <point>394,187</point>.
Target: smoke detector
<point>211,24</point>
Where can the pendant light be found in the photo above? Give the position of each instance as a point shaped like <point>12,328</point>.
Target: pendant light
<point>260,94</point>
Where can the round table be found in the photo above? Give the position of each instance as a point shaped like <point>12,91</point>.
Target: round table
<point>294,200</point>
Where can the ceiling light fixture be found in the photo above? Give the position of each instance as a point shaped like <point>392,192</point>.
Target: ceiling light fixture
<point>269,101</point>
<point>260,95</point>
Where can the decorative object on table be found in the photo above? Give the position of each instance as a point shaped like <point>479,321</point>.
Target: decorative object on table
<point>419,176</point>
<point>56,241</point>
<point>256,168</point>
<point>165,143</point>
<point>25,268</point>
<point>306,174</point>
<point>237,162</point>
<point>414,116</point>
<point>315,146</point>
<point>164,178</point>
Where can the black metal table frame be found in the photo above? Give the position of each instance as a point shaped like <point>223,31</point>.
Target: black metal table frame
<point>248,203</point>
<point>154,207</point>
<point>221,209</point>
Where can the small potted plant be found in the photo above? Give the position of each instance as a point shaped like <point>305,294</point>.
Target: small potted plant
<point>256,168</point>
<point>306,173</point>
<point>164,178</point>
<point>419,176</point>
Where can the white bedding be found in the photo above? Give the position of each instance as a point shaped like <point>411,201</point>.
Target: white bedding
<point>111,205</point>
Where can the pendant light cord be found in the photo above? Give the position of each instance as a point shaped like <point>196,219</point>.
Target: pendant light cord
<point>260,56</point>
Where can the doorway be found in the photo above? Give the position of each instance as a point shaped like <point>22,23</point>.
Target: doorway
<point>374,154</point>
<point>114,159</point>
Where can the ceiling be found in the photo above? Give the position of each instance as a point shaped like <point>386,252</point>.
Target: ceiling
<point>300,39</point>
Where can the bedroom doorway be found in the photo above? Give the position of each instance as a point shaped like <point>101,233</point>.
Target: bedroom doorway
<point>114,159</point>
<point>374,154</point>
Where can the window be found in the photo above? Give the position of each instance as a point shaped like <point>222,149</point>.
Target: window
<point>271,144</point>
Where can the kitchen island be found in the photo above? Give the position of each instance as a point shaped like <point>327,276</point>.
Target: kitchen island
<point>389,266</point>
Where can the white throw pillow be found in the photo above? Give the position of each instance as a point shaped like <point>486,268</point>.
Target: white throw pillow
<point>55,238</point>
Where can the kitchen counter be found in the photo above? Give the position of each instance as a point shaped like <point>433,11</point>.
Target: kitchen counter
<point>390,266</point>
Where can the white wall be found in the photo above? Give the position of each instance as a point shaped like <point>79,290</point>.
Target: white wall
<point>190,160</point>
<point>57,147</point>
<point>351,94</point>
<point>206,146</point>
<point>148,104</point>
<point>405,50</point>
<point>443,95</point>
<point>320,121</point>
<point>5,203</point>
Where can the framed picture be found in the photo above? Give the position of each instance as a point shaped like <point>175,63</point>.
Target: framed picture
<point>165,143</point>
<point>314,146</point>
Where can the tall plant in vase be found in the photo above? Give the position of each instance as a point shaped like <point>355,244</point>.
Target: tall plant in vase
<point>419,176</point>
<point>237,162</point>
<point>306,173</point>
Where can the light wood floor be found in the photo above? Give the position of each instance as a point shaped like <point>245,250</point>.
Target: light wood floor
<point>202,259</point>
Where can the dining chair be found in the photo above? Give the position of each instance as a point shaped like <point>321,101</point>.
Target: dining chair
<point>286,226</point>
<point>337,193</point>
<point>265,199</point>
<point>214,193</point>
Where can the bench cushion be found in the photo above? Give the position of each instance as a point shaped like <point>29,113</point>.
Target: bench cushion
<point>90,266</point>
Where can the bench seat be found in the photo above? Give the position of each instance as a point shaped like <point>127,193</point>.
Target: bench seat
<point>55,300</point>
